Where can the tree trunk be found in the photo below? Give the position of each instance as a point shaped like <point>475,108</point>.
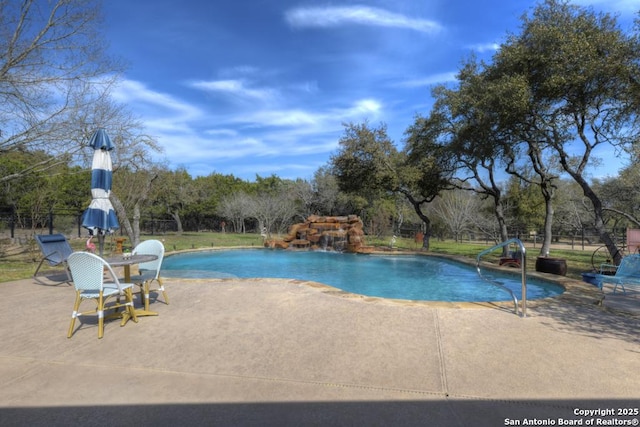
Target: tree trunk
<point>548,222</point>
<point>427,234</point>
<point>598,214</point>
<point>547,189</point>
<point>122,215</point>
<point>502,224</point>
<point>176,216</point>
<point>417,207</point>
<point>135,237</point>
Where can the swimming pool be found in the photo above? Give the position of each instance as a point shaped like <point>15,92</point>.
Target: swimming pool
<point>412,277</point>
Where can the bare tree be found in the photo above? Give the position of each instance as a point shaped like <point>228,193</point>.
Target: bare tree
<point>274,212</point>
<point>236,208</point>
<point>133,189</point>
<point>306,197</point>
<point>325,186</point>
<point>456,208</point>
<point>573,211</point>
<point>485,220</point>
<point>52,67</point>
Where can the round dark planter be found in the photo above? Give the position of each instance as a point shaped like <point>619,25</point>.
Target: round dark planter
<point>552,265</point>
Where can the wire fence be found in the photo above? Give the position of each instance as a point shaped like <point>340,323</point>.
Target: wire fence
<point>21,229</point>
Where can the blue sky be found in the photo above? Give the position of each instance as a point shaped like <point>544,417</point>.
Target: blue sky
<point>263,87</point>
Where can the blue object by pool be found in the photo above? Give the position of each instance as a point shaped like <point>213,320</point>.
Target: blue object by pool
<point>410,277</point>
<point>591,278</point>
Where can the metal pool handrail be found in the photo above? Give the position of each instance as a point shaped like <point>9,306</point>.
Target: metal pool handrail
<point>523,268</point>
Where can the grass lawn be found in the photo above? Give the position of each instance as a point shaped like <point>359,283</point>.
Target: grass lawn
<point>20,261</point>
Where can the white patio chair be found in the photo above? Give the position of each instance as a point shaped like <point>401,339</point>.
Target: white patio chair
<point>87,273</point>
<point>150,271</point>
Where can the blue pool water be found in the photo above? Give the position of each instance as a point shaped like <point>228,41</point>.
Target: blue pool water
<point>411,277</point>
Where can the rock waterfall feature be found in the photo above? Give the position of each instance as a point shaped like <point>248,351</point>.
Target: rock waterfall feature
<point>329,233</point>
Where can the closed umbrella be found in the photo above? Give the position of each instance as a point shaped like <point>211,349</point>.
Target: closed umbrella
<point>100,217</point>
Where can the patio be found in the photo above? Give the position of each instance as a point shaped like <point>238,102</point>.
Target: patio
<point>285,352</point>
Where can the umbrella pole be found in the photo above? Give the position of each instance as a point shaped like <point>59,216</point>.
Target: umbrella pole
<point>101,243</point>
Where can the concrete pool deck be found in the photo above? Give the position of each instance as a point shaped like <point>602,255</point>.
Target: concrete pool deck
<point>286,352</point>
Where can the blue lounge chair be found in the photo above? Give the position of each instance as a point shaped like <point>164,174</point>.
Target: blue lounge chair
<point>55,250</point>
<point>627,273</point>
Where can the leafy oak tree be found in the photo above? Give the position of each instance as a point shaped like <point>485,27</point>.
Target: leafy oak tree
<point>578,73</point>
<point>565,85</point>
<point>172,192</point>
<point>369,164</point>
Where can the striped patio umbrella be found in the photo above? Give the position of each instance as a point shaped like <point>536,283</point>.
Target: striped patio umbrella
<point>100,218</point>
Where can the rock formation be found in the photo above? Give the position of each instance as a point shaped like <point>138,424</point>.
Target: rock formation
<point>337,233</point>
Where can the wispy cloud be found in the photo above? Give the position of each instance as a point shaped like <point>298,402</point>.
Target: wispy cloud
<point>614,5</point>
<point>239,69</point>
<point>485,47</point>
<point>224,91</point>
<point>429,80</point>
<point>256,130</point>
<point>305,121</point>
<point>364,108</point>
<point>222,132</point>
<point>334,16</point>
<point>237,88</point>
<point>130,91</point>
<point>269,118</point>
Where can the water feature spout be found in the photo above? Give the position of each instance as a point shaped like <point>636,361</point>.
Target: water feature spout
<point>324,242</point>
<point>339,242</point>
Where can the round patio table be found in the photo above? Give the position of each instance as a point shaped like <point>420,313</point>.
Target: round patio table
<point>127,262</point>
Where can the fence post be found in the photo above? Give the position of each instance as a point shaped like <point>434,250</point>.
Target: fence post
<point>12,222</point>
<point>50,221</point>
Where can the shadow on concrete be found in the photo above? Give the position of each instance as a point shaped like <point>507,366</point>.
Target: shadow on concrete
<point>592,320</point>
<point>365,413</point>
<point>52,279</point>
